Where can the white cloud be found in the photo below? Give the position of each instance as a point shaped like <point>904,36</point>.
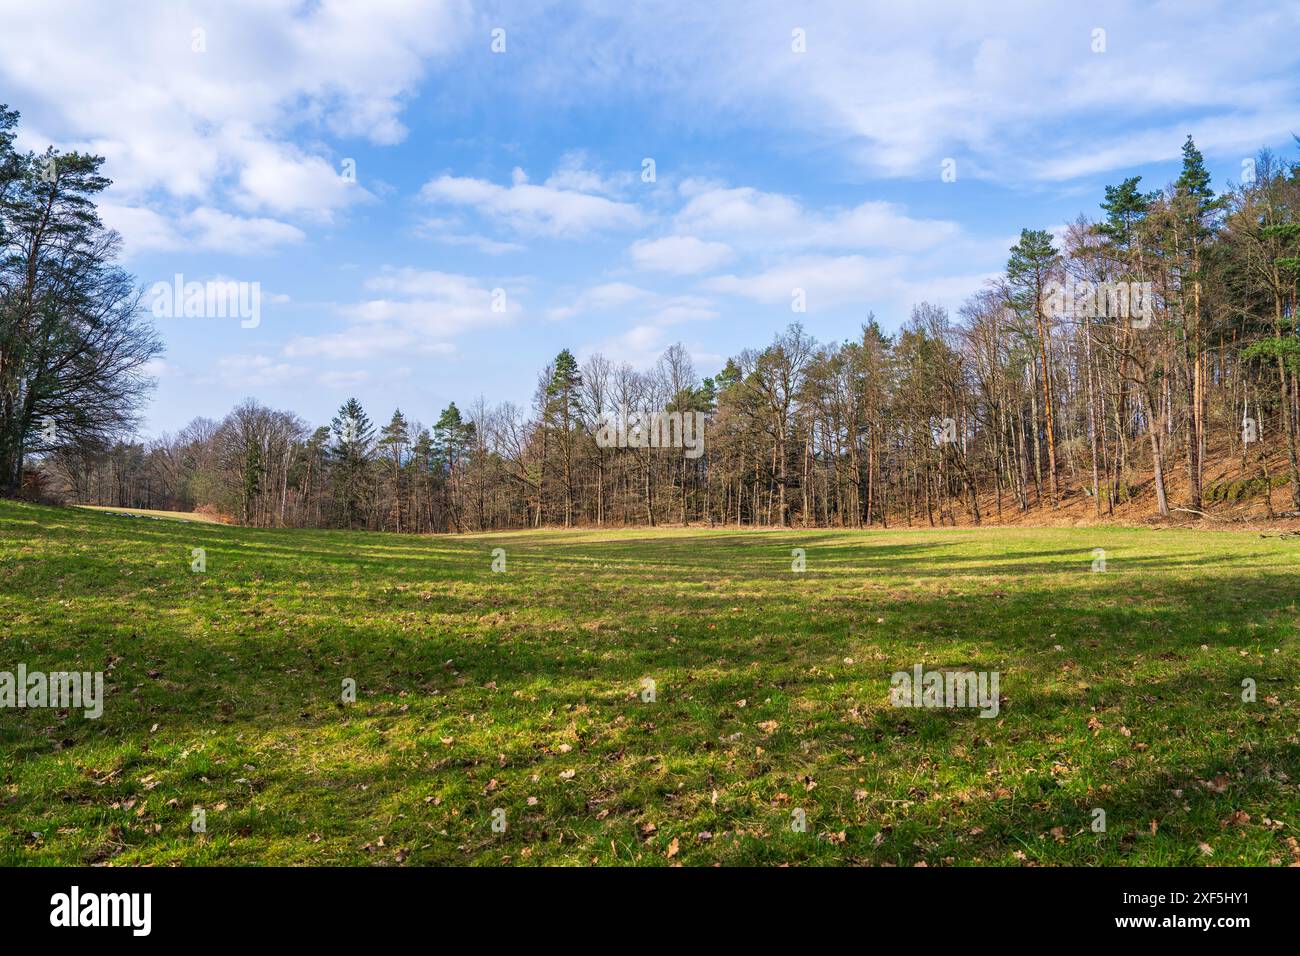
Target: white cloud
<point>142,229</point>
<point>602,298</point>
<point>893,283</point>
<point>202,229</point>
<point>740,211</point>
<point>752,217</point>
<point>652,314</point>
<point>826,281</point>
<point>534,210</point>
<point>184,131</point>
<point>282,179</point>
<point>894,88</point>
<point>220,231</point>
<point>640,346</point>
<point>622,298</point>
<point>1224,135</point>
<point>574,173</point>
<point>949,291</point>
<point>255,371</point>
<point>419,311</point>
<point>452,232</point>
<point>680,255</point>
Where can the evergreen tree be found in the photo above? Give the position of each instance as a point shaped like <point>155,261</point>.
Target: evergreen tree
<point>1125,206</point>
<point>1033,261</point>
<point>563,412</point>
<point>74,344</point>
<point>426,480</point>
<point>1194,209</point>
<point>350,455</point>
<point>394,439</point>
<point>451,435</point>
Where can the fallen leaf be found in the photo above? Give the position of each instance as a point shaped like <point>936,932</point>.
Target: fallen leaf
<point>1218,785</point>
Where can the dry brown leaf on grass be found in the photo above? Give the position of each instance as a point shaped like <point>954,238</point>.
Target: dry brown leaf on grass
<point>1218,785</point>
<point>1293,845</point>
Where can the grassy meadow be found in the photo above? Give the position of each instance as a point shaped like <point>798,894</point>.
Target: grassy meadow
<point>525,692</point>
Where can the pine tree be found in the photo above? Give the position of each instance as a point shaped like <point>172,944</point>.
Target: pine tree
<point>563,412</point>
<point>728,377</point>
<point>449,434</point>
<point>1194,208</point>
<point>423,456</point>
<point>351,454</point>
<point>1033,260</point>
<point>1125,206</point>
<point>74,343</point>
<point>394,439</point>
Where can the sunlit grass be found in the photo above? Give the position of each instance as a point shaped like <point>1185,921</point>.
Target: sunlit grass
<point>522,692</point>
<point>153,513</point>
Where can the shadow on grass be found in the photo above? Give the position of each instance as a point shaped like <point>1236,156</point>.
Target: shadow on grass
<point>517,659</point>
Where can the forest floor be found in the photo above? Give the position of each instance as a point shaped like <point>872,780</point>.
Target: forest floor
<point>1234,495</point>
<point>522,698</point>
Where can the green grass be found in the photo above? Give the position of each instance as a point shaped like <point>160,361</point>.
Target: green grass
<point>521,691</point>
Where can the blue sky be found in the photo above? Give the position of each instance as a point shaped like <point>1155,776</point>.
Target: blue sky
<point>522,170</point>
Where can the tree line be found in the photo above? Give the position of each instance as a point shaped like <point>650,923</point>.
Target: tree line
<point>1126,357</point>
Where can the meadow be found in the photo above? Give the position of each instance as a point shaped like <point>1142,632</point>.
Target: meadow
<point>648,696</point>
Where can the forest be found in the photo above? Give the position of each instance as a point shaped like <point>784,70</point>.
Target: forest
<point>1012,407</point>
